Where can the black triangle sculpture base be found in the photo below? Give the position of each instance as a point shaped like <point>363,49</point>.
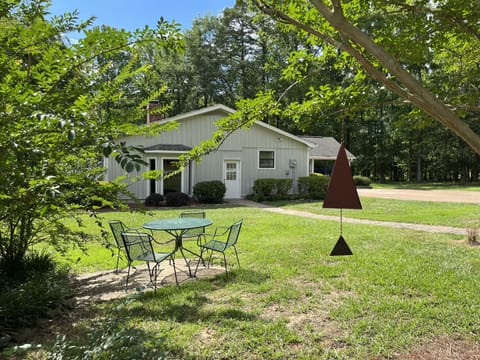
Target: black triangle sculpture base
<point>341,248</point>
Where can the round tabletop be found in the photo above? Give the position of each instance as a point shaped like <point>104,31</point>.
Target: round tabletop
<point>177,223</point>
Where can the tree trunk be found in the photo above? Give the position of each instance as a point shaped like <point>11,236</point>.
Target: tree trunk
<point>405,85</point>
<point>413,92</point>
<point>419,168</point>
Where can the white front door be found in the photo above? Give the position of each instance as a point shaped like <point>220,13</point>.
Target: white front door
<point>232,179</point>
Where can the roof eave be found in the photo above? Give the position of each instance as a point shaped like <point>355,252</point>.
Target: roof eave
<point>166,151</point>
<point>206,110</point>
<point>330,157</point>
<point>286,134</point>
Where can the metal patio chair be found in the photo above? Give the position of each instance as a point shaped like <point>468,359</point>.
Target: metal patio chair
<point>117,228</point>
<point>139,247</point>
<point>223,238</point>
<point>193,234</point>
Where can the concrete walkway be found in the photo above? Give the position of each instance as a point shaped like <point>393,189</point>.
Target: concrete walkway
<point>108,285</point>
<point>418,227</point>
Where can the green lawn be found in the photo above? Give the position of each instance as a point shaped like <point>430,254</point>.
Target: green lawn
<point>418,212</point>
<point>290,299</point>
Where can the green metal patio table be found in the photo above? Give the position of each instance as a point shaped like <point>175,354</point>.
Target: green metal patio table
<point>177,227</point>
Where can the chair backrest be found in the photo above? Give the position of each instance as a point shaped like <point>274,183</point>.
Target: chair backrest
<point>194,214</point>
<point>137,244</point>
<point>117,228</point>
<point>233,233</point>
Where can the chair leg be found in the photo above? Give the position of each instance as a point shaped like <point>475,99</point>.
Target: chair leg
<point>174,270</point>
<point>209,259</point>
<point>128,274</point>
<point>225,262</point>
<point>199,241</point>
<point>155,273</point>
<point>150,272</point>
<point>118,258</point>
<point>198,262</point>
<point>186,262</point>
<point>236,254</point>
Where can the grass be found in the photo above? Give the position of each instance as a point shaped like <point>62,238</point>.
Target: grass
<point>460,215</point>
<point>289,299</point>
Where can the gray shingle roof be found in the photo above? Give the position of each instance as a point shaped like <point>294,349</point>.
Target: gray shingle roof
<point>326,149</point>
<point>167,147</point>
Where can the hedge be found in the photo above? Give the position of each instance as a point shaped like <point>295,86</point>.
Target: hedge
<point>211,192</point>
<point>313,187</point>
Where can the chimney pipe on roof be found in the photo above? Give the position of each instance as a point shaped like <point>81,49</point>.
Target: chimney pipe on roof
<point>152,113</point>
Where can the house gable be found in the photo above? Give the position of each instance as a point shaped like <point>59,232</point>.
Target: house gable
<point>218,111</point>
<point>326,148</point>
<point>242,148</point>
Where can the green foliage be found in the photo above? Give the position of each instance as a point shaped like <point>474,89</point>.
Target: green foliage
<point>283,186</point>
<point>327,91</point>
<point>62,106</point>
<point>39,287</point>
<point>176,199</point>
<point>361,180</point>
<point>210,192</point>
<point>313,186</point>
<point>271,189</point>
<point>112,338</point>
<point>93,194</point>
<point>154,200</point>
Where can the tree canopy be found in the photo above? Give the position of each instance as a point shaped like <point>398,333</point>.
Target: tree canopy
<point>283,63</point>
<point>373,74</point>
<point>423,51</point>
<point>62,105</point>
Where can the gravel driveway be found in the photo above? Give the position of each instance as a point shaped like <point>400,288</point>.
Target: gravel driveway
<point>423,195</point>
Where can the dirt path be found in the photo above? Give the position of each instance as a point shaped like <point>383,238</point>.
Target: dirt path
<point>418,227</point>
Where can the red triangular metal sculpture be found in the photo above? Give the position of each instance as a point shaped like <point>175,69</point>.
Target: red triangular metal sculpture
<point>341,191</point>
<point>341,248</point>
<point>341,194</point>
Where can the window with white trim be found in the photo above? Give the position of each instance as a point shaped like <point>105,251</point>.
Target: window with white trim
<point>266,159</point>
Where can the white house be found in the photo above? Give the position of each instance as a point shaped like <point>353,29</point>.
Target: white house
<point>323,155</point>
<point>262,151</point>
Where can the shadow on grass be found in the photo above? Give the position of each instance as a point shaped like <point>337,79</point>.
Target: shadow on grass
<point>190,301</point>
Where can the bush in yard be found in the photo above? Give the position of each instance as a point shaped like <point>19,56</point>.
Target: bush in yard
<point>256,197</point>
<point>264,187</point>
<point>176,199</point>
<point>313,187</point>
<point>271,189</point>
<point>39,288</point>
<point>283,186</point>
<point>112,338</point>
<point>154,200</point>
<point>362,180</point>
<point>211,192</point>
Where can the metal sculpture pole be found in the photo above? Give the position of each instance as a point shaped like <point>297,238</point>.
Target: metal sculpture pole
<point>341,194</point>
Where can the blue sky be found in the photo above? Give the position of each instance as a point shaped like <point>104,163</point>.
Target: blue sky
<point>131,15</point>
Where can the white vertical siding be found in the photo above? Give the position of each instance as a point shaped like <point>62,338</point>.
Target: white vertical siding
<point>242,145</point>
